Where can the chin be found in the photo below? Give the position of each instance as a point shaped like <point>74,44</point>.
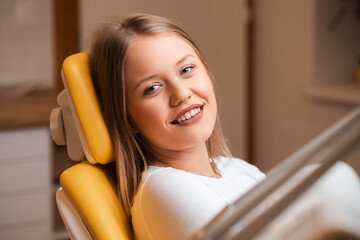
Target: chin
<point>193,141</point>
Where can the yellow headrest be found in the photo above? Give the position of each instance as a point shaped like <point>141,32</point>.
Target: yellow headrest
<point>94,135</point>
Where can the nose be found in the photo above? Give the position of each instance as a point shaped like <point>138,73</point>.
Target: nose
<point>179,93</point>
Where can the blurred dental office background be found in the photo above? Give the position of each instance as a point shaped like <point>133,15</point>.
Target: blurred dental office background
<point>284,72</point>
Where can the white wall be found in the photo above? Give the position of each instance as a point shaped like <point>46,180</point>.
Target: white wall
<point>26,46</point>
<point>218,28</point>
<point>285,118</point>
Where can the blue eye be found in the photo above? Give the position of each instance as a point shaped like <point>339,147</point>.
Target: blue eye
<point>187,69</point>
<point>151,88</point>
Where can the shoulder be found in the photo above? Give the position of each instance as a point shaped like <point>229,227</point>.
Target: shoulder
<point>230,162</point>
<point>172,198</point>
<point>239,166</point>
<point>164,184</point>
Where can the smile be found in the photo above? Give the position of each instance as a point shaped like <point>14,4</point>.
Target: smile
<point>188,115</point>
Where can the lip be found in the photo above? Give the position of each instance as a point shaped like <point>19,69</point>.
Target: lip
<point>193,119</point>
<point>182,112</point>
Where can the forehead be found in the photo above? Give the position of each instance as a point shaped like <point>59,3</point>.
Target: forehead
<point>156,50</point>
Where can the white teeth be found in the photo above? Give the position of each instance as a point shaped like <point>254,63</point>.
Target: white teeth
<point>188,115</point>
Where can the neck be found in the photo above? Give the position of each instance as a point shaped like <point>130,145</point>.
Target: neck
<point>194,160</point>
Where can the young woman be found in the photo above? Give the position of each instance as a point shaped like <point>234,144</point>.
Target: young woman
<point>175,172</point>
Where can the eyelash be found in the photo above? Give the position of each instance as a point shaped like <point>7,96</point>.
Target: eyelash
<point>187,67</point>
<point>147,91</point>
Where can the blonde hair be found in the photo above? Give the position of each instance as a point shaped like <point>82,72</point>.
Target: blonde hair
<point>109,46</point>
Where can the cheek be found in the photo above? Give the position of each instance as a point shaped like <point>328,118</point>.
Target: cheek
<point>146,116</point>
<point>206,90</point>
<point>210,94</point>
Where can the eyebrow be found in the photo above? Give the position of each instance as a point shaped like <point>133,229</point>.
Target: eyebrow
<point>184,58</point>
<point>144,80</point>
<point>153,76</point>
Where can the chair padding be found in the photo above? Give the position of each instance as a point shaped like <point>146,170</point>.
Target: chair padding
<point>78,82</point>
<point>94,197</point>
<point>73,222</point>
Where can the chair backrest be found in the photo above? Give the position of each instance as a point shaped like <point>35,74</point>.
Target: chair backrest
<point>86,111</point>
<point>91,190</point>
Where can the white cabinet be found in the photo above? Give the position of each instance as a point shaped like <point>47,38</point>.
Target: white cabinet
<point>25,184</point>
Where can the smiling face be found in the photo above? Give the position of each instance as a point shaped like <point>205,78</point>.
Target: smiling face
<point>169,93</point>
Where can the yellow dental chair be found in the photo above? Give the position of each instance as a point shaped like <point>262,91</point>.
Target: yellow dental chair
<point>87,199</point>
